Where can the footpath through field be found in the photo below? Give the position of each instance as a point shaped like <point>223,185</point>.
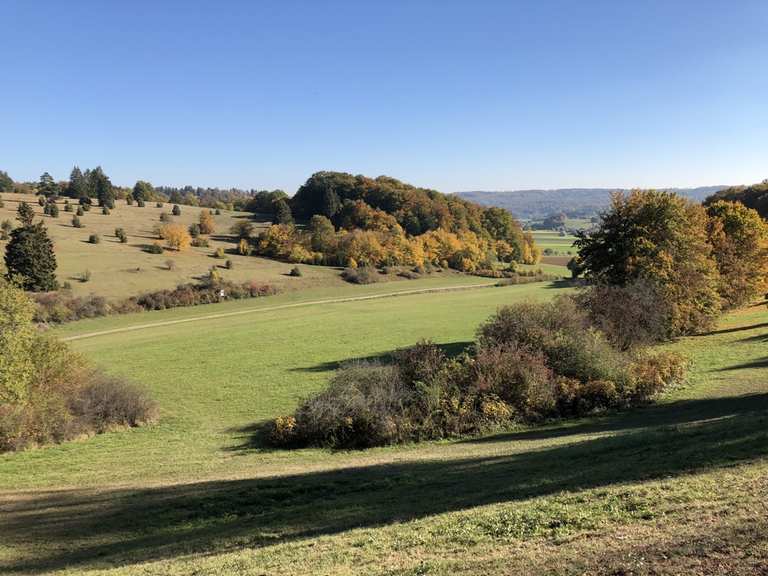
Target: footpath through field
<point>277,307</point>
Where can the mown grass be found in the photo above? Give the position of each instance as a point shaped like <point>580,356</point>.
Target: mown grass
<point>677,487</point>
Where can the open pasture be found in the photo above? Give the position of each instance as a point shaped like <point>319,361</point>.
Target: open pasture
<point>197,493</point>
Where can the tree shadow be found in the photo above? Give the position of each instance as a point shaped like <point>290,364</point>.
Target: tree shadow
<point>119,527</point>
<point>735,329</point>
<point>762,363</point>
<point>450,349</point>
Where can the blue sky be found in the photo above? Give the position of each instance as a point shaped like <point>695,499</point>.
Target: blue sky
<point>451,95</point>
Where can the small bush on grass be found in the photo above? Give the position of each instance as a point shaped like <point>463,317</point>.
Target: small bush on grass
<point>229,264</point>
<point>158,204</point>
<point>76,223</point>
<point>85,276</point>
<point>121,235</point>
<point>67,207</point>
<point>219,253</point>
<point>170,265</point>
<point>176,211</point>
<point>140,203</point>
<point>94,239</point>
<point>105,211</point>
<point>362,275</point>
<point>295,272</point>
<point>80,211</point>
<point>154,248</point>
<point>200,242</point>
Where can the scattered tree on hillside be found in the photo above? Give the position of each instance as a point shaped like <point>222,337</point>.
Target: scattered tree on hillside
<point>176,211</point>
<point>176,236</point>
<point>243,229</point>
<point>143,191</point>
<point>78,184</point>
<point>739,238</point>
<point>206,222</point>
<point>102,188</point>
<point>30,260</point>
<point>660,238</point>
<point>47,186</point>
<point>25,214</point>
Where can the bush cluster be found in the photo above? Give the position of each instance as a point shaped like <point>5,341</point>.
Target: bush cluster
<point>531,362</point>
<point>363,275</point>
<point>63,306</point>
<point>48,393</point>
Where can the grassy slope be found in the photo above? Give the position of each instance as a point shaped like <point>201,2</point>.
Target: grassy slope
<point>121,270</point>
<point>679,487</point>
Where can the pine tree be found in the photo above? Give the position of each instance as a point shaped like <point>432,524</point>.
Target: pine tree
<point>78,184</point>
<point>102,188</point>
<point>25,214</point>
<point>6,183</point>
<point>30,260</point>
<point>47,185</point>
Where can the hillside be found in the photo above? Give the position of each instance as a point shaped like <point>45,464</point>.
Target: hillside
<point>575,202</point>
<point>121,270</point>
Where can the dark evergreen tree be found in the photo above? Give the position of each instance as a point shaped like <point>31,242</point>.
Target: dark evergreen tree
<point>29,258</point>
<point>176,210</point>
<point>78,184</point>
<point>6,182</point>
<point>25,214</point>
<point>283,212</point>
<point>47,185</point>
<point>102,187</point>
<point>143,191</point>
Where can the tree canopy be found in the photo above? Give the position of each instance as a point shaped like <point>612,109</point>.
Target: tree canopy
<point>754,196</point>
<point>30,260</point>
<point>661,238</point>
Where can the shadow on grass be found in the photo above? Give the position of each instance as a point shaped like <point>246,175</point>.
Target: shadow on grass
<point>762,363</point>
<point>735,329</point>
<point>450,349</point>
<point>117,527</point>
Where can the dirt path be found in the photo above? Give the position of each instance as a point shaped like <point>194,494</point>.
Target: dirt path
<point>273,308</point>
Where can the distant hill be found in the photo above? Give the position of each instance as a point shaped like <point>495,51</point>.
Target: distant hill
<point>575,202</point>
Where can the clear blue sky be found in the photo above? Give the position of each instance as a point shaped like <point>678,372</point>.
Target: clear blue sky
<point>451,95</point>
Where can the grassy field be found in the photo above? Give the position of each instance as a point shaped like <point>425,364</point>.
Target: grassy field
<point>553,241</point>
<point>121,270</point>
<point>678,487</point>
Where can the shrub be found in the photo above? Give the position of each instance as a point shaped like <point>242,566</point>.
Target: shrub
<point>176,236</point>
<point>86,207</point>
<point>164,217</point>
<point>140,203</point>
<point>67,207</point>
<point>194,230</point>
<point>170,264</point>
<point>219,253</point>
<point>633,315</point>
<point>244,247</point>
<point>85,276</point>
<point>200,242</point>
<point>176,210</point>
<point>158,204</point>
<point>362,407</point>
<point>363,275</point>
<point>106,403</point>
<point>229,264</point>
<point>53,211</point>
<point>295,271</point>
<point>217,212</point>
<point>41,200</point>
<point>121,235</point>
<point>154,248</point>
<point>94,238</point>
<point>76,222</point>
<point>55,396</point>
<point>80,211</point>
<point>105,211</point>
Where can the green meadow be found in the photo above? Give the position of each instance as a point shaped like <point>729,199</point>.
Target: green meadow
<point>678,483</point>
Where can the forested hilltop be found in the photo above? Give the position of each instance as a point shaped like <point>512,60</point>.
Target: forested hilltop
<point>754,196</point>
<point>360,221</point>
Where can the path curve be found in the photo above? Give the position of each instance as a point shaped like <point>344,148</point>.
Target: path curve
<point>273,308</point>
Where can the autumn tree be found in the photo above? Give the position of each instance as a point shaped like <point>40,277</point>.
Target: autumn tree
<point>176,236</point>
<point>17,336</point>
<point>206,222</point>
<point>661,238</point>
<point>739,239</point>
